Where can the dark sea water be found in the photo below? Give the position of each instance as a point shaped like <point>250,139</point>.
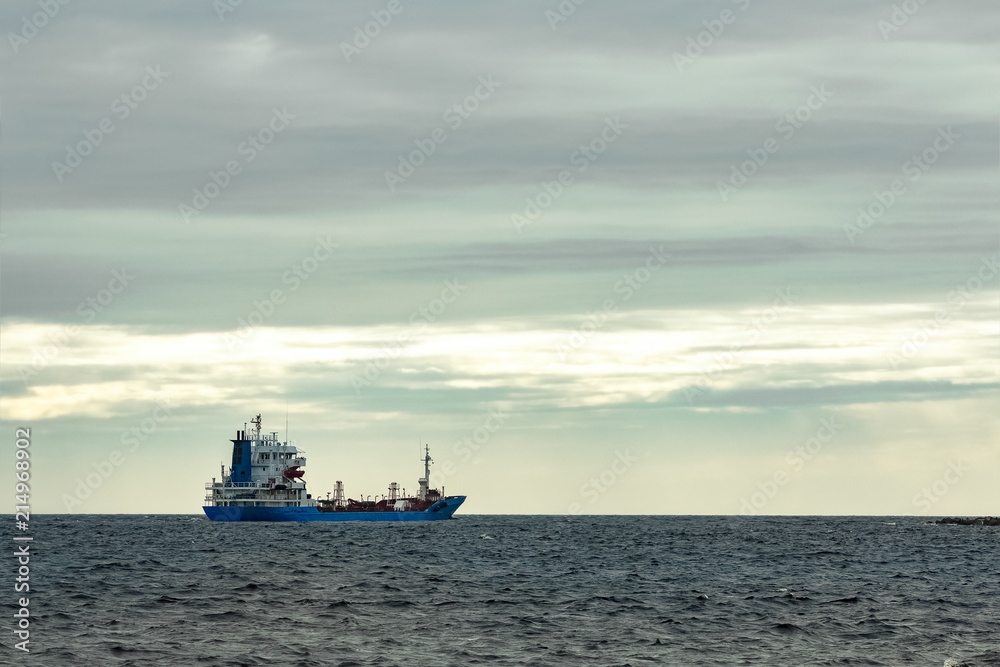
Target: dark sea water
<point>510,590</point>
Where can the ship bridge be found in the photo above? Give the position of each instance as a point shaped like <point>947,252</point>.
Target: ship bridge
<point>265,471</point>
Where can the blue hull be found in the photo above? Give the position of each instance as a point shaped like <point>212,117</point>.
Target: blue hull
<point>443,509</point>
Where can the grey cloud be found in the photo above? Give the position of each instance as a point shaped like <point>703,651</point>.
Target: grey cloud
<point>846,394</point>
<point>355,119</point>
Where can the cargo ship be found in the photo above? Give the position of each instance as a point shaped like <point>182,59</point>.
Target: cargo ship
<point>266,482</point>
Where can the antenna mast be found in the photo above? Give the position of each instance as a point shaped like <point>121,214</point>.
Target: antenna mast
<point>425,480</point>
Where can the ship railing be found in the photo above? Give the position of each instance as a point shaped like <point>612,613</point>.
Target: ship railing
<point>238,485</point>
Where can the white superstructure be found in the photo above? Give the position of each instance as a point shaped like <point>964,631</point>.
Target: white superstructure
<point>265,472</point>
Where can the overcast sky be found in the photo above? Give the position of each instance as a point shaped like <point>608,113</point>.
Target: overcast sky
<point>645,257</point>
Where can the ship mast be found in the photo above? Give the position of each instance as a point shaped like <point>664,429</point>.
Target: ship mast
<point>423,481</point>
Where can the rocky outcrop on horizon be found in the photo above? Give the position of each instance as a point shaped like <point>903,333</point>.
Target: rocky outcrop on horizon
<point>981,521</point>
